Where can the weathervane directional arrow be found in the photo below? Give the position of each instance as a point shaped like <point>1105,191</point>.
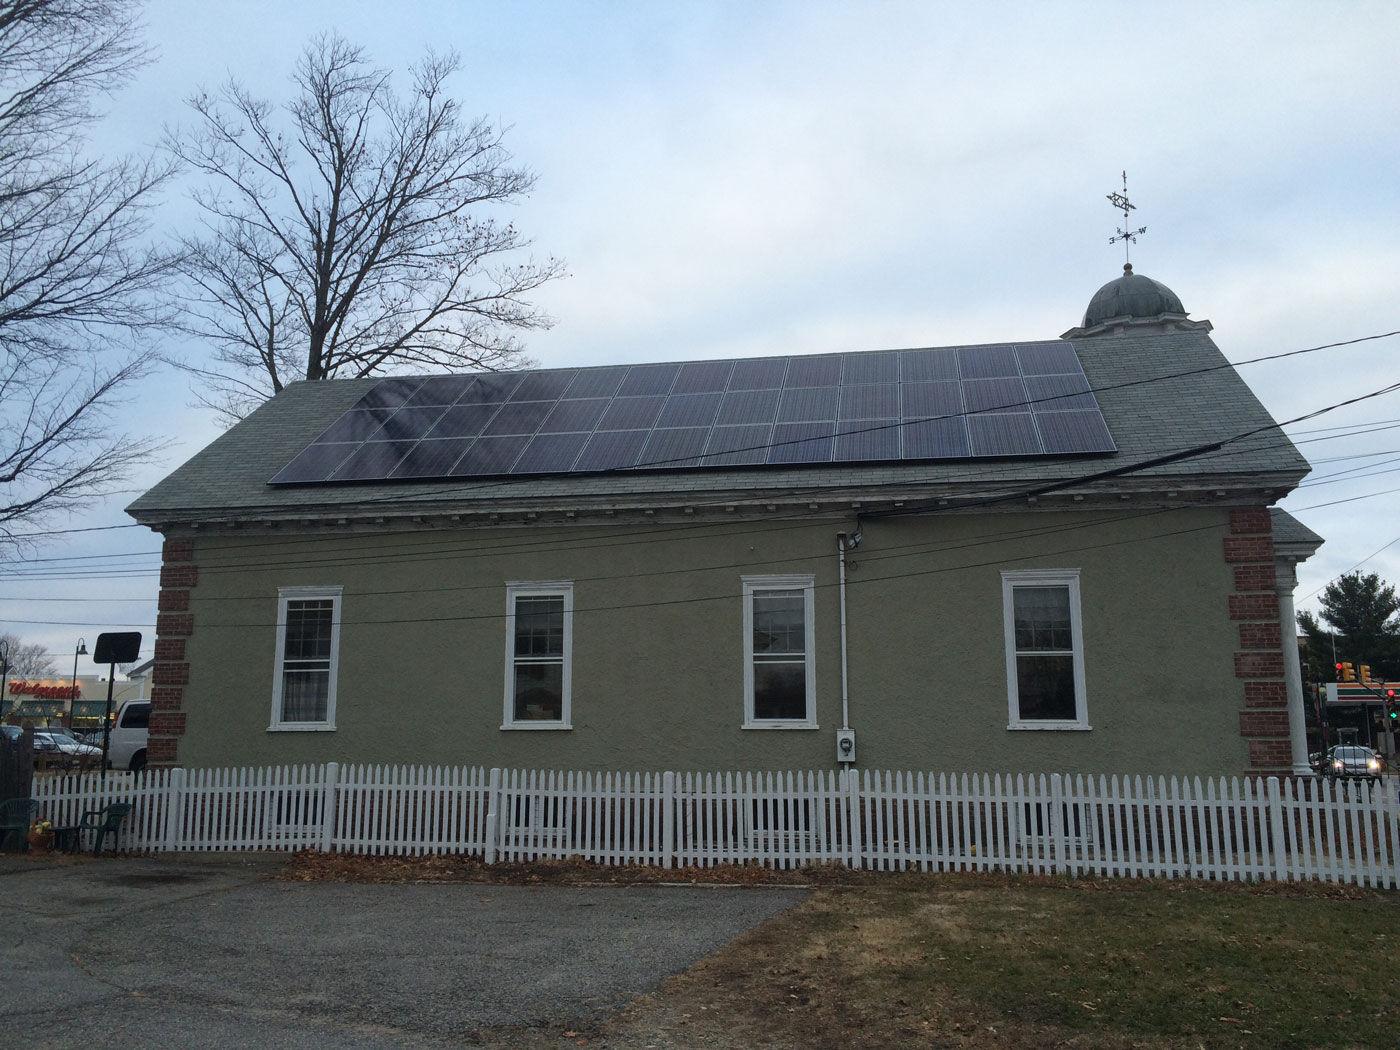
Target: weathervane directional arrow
<point>1125,233</point>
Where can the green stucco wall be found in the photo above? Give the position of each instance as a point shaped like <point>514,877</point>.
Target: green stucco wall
<point>658,669</point>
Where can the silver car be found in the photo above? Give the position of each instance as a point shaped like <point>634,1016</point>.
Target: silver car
<point>1353,760</point>
<point>58,747</point>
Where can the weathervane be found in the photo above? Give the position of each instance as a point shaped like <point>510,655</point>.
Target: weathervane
<point>1126,234</point>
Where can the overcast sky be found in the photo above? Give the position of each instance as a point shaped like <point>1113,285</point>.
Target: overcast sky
<point>763,178</point>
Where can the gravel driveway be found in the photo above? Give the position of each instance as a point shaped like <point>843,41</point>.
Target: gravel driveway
<point>211,952</point>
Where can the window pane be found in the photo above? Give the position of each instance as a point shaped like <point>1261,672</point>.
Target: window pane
<point>778,622</point>
<point>1045,687</point>
<point>309,630</point>
<point>539,626</point>
<point>304,694</point>
<point>539,692</point>
<point>1042,618</point>
<point>138,716</point>
<point>779,690</point>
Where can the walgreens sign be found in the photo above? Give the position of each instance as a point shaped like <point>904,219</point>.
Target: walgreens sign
<point>45,691</point>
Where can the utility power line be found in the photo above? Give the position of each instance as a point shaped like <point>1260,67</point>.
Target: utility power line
<point>478,488</point>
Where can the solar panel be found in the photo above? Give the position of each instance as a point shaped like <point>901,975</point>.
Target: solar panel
<point>431,458</point>
<point>869,401</point>
<point>747,407</point>
<point>443,391</point>
<point>463,421</point>
<point>612,450</point>
<point>804,404</point>
<point>738,446</point>
<point>549,454</point>
<point>942,403</point>
<point>690,410</point>
<point>802,443</point>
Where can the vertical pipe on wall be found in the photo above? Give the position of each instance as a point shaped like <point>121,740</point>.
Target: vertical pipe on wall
<point>843,544</point>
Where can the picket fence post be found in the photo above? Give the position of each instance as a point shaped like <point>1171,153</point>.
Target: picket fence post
<point>853,828</point>
<point>1057,824</point>
<point>668,819</point>
<point>493,817</point>
<point>1280,847</point>
<point>329,801</point>
<point>174,810</point>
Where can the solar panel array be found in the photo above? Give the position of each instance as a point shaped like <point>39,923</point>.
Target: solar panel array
<point>949,403</point>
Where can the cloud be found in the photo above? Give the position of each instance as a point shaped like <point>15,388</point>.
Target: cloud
<point>746,179</point>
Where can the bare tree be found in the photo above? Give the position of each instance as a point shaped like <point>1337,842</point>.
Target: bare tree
<point>26,659</point>
<point>353,230</point>
<point>79,283</point>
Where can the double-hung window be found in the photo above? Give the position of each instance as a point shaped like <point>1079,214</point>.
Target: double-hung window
<point>1044,649</point>
<point>308,655</point>
<point>779,684</point>
<point>539,651</point>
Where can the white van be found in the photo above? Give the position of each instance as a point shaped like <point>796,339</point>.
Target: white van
<point>127,747</point>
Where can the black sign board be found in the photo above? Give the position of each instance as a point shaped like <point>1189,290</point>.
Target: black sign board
<point>117,647</point>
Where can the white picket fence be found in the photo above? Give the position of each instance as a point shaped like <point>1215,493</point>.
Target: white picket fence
<point>1162,827</point>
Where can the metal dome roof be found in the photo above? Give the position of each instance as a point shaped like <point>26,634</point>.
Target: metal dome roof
<point>1132,295</point>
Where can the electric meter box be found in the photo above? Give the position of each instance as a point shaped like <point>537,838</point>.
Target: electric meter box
<point>845,745</point>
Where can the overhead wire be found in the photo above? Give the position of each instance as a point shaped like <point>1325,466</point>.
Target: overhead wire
<point>479,487</point>
<point>661,534</point>
<point>1116,472</point>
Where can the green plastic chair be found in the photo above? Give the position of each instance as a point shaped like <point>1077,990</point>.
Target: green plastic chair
<point>16,815</point>
<point>103,822</point>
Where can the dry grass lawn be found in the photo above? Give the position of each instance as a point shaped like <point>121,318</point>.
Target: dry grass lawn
<point>985,962</point>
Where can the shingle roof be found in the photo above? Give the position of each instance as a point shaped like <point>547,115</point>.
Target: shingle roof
<point>1290,532</point>
<point>1154,417</point>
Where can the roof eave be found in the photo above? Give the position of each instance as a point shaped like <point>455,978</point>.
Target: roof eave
<point>1128,324</point>
<point>1007,494</point>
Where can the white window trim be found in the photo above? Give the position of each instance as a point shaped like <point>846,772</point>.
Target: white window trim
<point>284,595</point>
<point>807,583</point>
<point>1044,578</point>
<point>539,589</point>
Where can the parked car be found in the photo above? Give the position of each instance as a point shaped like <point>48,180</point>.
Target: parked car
<point>127,747</point>
<point>1352,760</point>
<point>59,749</point>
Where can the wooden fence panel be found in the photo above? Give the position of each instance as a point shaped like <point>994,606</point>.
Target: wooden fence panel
<point>1225,829</point>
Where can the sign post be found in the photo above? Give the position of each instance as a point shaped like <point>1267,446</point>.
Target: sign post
<point>112,648</point>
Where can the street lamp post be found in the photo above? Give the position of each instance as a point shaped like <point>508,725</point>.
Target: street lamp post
<point>81,650</point>
<point>4,675</point>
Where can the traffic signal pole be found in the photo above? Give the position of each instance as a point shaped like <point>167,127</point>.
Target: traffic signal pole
<point>1360,675</point>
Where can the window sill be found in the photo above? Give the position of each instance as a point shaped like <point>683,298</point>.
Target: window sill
<point>1049,727</point>
<point>780,725</point>
<point>301,727</point>
<point>536,726</point>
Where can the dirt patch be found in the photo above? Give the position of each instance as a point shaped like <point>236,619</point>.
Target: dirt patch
<point>311,866</point>
<point>314,866</point>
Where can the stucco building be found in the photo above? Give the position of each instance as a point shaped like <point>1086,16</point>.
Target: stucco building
<point>1044,555</point>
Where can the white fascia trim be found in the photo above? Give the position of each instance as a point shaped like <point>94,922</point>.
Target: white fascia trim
<point>1010,579</point>
<point>298,593</point>
<point>330,590</point>
<point>546,589</point>
<point>785,581</point>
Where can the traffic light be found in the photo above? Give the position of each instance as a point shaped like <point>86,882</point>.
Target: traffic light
<point>1392,710</point>
<point>1345,672</point>
<point>1364,673</point>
